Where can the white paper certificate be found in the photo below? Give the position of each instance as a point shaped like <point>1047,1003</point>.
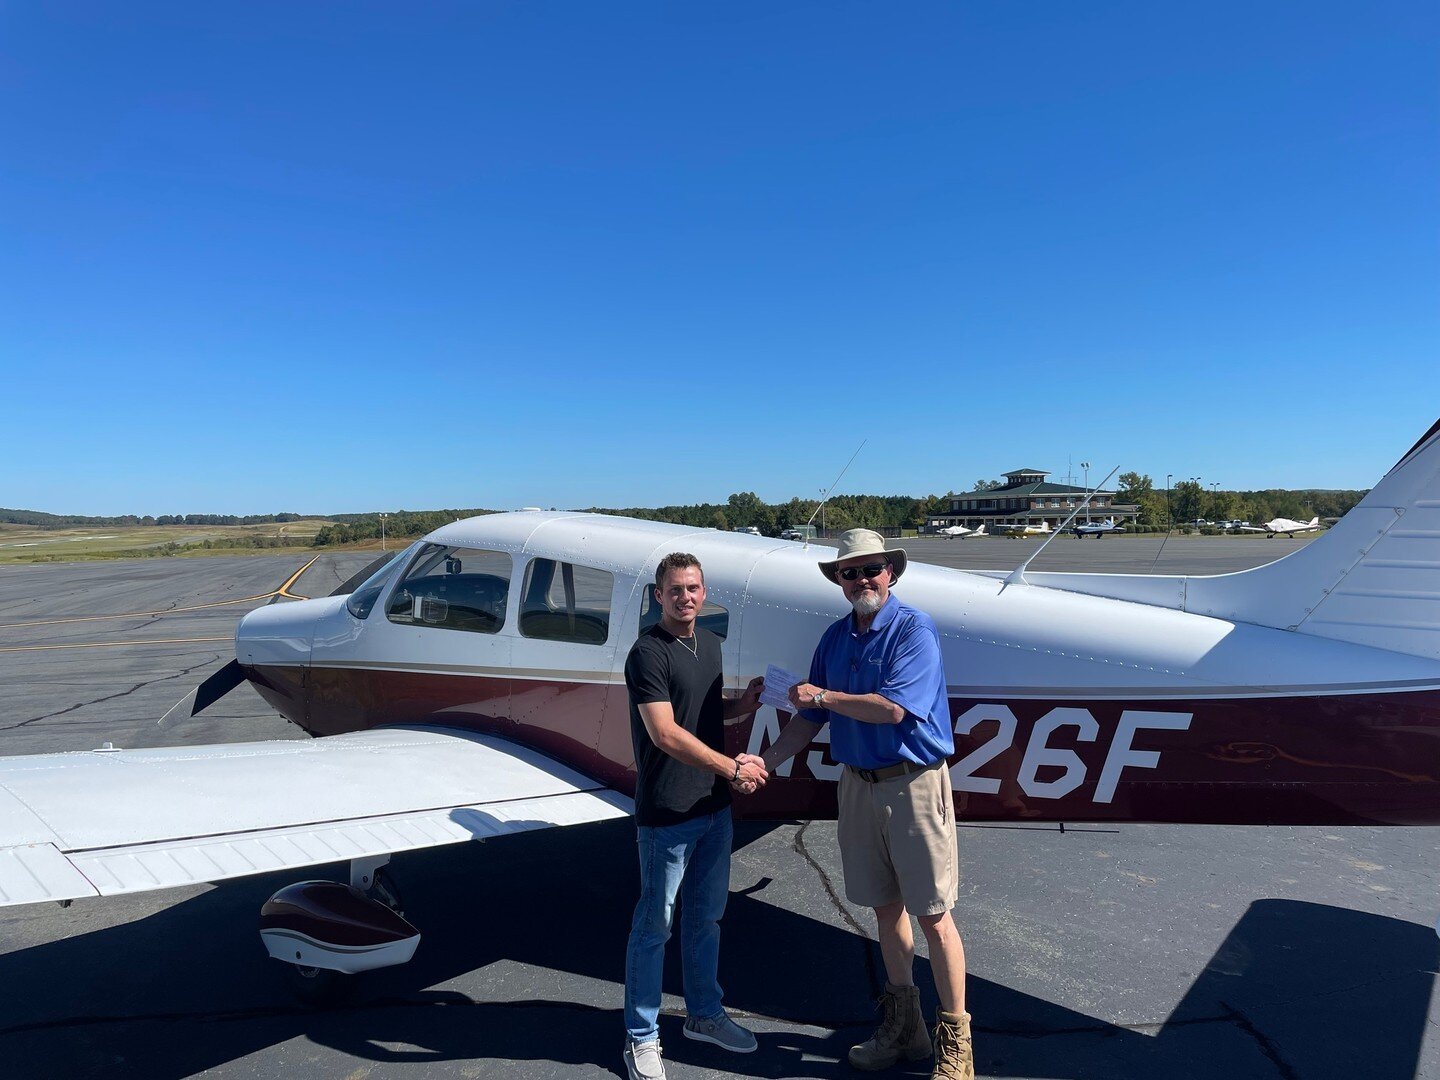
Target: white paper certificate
<point>778,682</point>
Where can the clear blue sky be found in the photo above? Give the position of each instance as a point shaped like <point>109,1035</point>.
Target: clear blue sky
<point>342,257</point>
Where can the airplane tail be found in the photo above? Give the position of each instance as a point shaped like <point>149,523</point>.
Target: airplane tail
<point>1372,579</point>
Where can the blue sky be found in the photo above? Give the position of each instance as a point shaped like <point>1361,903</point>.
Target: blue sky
<point>343,257</point>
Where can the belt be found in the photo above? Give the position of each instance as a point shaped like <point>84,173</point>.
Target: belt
<point>889,772</point>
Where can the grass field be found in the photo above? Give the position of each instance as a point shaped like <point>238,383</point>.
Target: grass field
<point>24,543</point>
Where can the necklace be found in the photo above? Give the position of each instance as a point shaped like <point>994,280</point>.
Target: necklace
<point>693,650</point>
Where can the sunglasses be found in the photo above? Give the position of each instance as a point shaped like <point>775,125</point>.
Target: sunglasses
<point>869,570</point>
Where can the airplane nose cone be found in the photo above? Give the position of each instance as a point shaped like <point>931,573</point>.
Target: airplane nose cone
<point>282,634</point>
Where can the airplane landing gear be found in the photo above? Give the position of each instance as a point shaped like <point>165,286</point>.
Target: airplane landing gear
<point>327,933</point>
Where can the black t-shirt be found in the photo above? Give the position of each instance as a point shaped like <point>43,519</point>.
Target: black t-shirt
<point>661,667</point>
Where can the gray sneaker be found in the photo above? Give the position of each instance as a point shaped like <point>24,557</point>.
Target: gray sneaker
<point>643,1060</point>
<point>722,1031</point>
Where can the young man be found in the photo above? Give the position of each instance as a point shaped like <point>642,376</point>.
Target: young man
<point>682,810</point>
<point>878,679</point>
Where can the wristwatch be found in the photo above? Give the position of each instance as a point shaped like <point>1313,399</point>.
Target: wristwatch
<point>819,698</point>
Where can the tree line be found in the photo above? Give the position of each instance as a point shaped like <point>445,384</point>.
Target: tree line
<point>1186,501</point>
<point>1189,500</point>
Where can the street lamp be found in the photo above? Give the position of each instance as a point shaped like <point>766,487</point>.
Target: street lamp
<point>382,532</point>
<point>1086,466</point>
<point>1169,513</point>
<point>822,511</point>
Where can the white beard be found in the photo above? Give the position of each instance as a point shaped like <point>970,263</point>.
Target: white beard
<point>867,603</point>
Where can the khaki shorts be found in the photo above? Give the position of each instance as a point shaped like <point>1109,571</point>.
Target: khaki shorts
<point>897,841</point>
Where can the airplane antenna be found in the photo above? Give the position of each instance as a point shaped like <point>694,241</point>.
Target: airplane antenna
<point>825,495</point>
<point>1017,576</point>
<point>1169,525</point>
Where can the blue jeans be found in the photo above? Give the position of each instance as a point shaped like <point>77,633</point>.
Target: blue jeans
<point>691,859</point>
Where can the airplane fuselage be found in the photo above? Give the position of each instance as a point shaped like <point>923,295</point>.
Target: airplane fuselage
<point>1066,706</point>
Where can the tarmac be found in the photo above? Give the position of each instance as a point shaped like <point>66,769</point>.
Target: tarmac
<point>1114,952</point>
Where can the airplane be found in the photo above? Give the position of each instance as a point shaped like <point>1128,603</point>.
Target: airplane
<point>473,685</point>
<point>1283,525</point>
<point>1097,529</point>
<point>1022,531</point>
<point>960,532</point>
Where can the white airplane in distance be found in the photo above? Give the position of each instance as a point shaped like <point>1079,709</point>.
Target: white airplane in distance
<point>1283,525</point>
<point>1021,531</point>
<point>473,686</point>
<point>960,532</point>
<point>1097,529</point>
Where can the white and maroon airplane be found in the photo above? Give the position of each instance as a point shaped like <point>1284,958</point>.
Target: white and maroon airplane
<point>474,686</point>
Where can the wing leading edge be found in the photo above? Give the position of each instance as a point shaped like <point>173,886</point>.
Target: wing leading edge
<point>107,822</point>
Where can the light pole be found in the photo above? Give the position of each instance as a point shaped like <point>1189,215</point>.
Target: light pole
<point>822,511</point>
<point>1169,513</point>
<point>1086,466</point>
<point>382,532</point>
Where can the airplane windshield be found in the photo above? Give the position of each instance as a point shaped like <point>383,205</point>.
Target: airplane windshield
<point>364,597</point>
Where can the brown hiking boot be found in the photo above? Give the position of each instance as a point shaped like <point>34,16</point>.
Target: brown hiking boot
<point>954,1055</point>
<point>901,1033</point>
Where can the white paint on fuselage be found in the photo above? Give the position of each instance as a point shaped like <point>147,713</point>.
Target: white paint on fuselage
<point>1015,642</point>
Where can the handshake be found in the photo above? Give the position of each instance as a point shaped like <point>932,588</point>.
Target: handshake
<point>751,774</point>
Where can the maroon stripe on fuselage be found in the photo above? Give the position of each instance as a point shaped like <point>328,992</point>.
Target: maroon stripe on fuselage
<point>1371,758</point>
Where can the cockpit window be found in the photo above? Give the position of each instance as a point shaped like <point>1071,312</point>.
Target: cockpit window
<point>566,602</point>
<point>364,597</point>
<point>712,616</point>
<point>453,588</point>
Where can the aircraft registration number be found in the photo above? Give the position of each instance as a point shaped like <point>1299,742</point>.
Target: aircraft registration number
<point>965,773</point>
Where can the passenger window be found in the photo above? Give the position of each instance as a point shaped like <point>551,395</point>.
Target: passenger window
<point>712,616</point>
<point>565,602</point>
<point>453,588</point>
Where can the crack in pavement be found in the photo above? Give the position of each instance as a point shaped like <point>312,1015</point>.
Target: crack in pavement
<point>109,697</point>
<point>872,946</point>
<point>1263,1041</point>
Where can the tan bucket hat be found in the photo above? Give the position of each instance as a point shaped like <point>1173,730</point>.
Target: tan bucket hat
<point>855,542</point>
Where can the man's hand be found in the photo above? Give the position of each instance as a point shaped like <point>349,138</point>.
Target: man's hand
<point>802,695</point>
<point>750,699</point>
<point>752,774</point>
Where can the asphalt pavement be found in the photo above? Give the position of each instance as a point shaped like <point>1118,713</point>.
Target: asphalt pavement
<point>1114,952</point>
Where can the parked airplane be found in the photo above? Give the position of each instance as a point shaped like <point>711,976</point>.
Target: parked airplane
<point>473,686</point>
<point>960,532</point>
<point>1097,529</point>
<point>1042,529</point>
<point>1282,525</point>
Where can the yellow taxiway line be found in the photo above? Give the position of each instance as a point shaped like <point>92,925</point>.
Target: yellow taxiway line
<point>283,590</point>
<point>113,644</point>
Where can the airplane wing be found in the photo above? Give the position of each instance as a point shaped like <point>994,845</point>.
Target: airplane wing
<point>100,823</point>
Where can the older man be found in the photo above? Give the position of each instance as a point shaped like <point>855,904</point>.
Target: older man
<point>878,679</point>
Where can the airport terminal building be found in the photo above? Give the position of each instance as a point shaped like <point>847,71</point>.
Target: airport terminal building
<point>1026,498</point>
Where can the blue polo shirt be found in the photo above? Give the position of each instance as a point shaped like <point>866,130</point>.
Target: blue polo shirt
<point>899,659</point>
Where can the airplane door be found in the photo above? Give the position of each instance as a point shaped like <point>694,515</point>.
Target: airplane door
<point>563,659</point>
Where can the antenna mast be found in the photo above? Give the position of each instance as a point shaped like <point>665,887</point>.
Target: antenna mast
<point>825,495</point>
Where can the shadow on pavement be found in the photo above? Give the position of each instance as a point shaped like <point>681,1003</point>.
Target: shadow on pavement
<point>1296,990</point>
